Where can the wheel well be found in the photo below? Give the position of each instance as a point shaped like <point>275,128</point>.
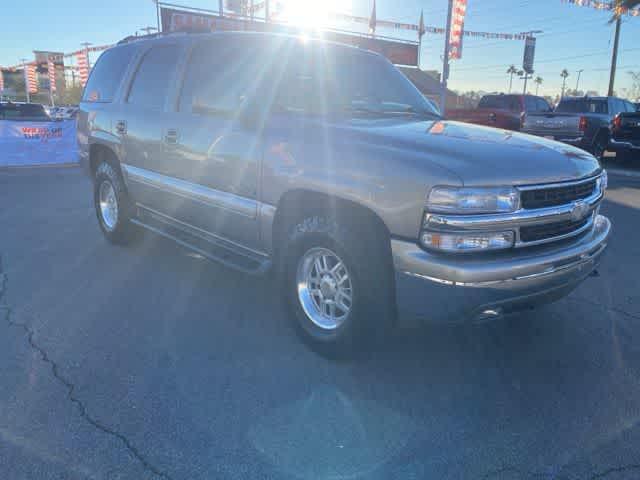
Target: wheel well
<point>295,205</point>
<point>100,153</point>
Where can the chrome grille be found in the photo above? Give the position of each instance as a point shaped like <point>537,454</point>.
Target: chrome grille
<point>557,195</point>
<point>535,233</point>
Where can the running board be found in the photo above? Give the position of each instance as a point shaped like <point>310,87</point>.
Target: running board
<point>210,247</point>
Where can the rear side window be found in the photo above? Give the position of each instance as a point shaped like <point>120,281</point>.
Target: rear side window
<point>531,104</point>
<point>154,76</point>
<point>221,76</point>
<point>107,74</point>
<point>543,106</point>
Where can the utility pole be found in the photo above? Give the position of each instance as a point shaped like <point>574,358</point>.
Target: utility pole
<point>86,52</point>
<point>26,78</point>
<point>578,80</point>
<point>614,55</point>
<point>526,76</point>
<point>445,60</point>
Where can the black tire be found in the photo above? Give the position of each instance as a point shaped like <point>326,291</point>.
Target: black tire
<point>122,230</point>
<point>599,146</point>
<point>368,266</point>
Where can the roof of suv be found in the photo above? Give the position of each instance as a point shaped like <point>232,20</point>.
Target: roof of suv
<point>259,36</point>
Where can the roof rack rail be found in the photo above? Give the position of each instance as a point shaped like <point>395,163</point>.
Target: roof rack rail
<point>133,38</point>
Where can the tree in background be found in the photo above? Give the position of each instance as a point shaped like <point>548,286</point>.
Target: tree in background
<point>511,71</point>
<point>564,74</point>
<point>538,82</point>
<point>71,96</point>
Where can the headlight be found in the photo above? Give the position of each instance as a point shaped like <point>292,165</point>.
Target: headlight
<point>603,181</point>
<point>473,200</point>
<point>467,242</point>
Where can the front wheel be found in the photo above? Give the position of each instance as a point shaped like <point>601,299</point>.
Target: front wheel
<point>338,285</point>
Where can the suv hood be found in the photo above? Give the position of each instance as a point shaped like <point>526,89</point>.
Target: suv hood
<point>481,155</point>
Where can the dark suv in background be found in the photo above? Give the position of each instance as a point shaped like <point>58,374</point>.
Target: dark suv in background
<point>586,122</point>
<point>323,163</point>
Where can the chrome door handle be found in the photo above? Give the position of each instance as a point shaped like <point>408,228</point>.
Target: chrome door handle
<point>171,136</point>
<point>121,127</point>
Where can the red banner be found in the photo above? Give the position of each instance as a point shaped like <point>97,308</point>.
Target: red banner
<point>31,79</point>
<point>457,29</point>
<point>83,67</point>
<point>51,71</point>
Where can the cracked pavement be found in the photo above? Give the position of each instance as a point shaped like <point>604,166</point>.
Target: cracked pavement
<point>148,363</point>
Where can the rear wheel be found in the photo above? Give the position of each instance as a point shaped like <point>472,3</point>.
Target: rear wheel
<point>112,204</point>
<point>599,146</point>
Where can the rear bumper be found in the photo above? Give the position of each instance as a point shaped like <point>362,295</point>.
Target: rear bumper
<point>457,289</point>
<point>623,146</point>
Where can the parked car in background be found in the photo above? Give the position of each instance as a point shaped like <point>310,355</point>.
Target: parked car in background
<point>585,122</point>
<point>625,134</point>
<point>323,163</point>
<point>23,111</point>
<point>501,110</point>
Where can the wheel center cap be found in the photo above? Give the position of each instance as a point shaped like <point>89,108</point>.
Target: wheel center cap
<point>328,286</point>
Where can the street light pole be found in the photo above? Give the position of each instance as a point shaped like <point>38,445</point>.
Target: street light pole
<point>578,80</point>
<point>614,56</point>
<point>445,60</point>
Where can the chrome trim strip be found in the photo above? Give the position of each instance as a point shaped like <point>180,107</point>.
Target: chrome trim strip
<point>581,260</point>
<point>515,219</point>
<point>544,186</point>
<point>619,144</point>
<point>192,191</point>
<point>199,231</point>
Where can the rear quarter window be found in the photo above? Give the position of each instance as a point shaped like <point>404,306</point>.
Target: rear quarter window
<point>107,74</point>
<point>583,105</point>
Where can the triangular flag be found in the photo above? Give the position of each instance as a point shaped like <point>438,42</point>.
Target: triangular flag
<point>421,29</point>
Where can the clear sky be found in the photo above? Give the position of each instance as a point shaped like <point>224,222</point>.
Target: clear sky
<point>574,37</point>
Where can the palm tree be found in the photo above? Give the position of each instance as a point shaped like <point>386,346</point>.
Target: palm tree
<point>564,74</point>
<point>511,71</point>
<point>538,82</point>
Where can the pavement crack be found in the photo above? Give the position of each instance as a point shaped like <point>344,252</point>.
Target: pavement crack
<point>68,384</point>
<point>609,471</point>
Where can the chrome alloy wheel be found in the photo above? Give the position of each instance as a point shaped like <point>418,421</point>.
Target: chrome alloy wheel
<point>108,205</point>
<point>324,287</point>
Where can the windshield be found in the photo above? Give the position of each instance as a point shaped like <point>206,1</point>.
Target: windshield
<point>582,105</point>
<point>340,80</point>
<point>20,111</point>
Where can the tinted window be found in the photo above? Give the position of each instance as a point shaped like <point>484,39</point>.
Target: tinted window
<point>543,106</point>
<point>23,111</point>
<point>107,74</point>
<point>531,105</point>
<point>503,102</point>
<point>582,105</point>
<point>154,76</point>
<point>220,76</point>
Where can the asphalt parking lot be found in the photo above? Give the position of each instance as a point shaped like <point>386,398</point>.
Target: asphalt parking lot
<point>149,362</point>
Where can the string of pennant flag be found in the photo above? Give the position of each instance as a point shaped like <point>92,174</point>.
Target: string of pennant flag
<point>605,5</point>
<point>427,28</point>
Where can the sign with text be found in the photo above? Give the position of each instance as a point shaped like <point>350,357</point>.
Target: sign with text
<point>37,143</point>
<point>398,52</point>
<point>529,54</point>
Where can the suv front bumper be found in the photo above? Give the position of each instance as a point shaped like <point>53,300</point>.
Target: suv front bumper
<point>459,288</point>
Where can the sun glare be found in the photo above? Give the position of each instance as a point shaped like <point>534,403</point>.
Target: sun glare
<point>309,13</point>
